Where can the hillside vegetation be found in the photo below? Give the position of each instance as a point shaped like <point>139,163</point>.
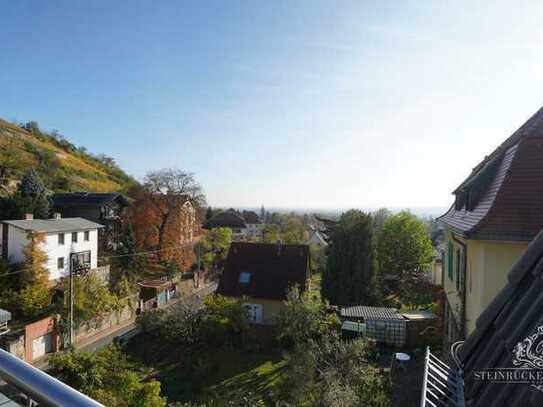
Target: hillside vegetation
<point>62,166</point>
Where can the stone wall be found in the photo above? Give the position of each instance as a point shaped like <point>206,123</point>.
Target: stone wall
<point>116,318</point>
<point>14,344</point>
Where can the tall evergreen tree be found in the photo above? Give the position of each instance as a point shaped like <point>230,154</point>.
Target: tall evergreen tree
<point>32,196</point>
<point>350,277</point>
<point>130,263</point>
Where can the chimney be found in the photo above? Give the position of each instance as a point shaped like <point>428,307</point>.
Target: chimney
<point>29,216</point>
<point>57,216</point>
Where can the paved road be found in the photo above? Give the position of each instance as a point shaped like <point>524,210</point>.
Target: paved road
<point>194,300</point>
<point>106,340</point>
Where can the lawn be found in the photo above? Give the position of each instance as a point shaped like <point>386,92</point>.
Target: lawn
<point>220,373</point>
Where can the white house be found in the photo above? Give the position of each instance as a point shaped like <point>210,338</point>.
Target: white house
<point>67,241</point>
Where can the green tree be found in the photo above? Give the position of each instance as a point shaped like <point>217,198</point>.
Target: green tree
<point>35,296</point>
<point>130,264</point>
<point>379,217</point>
<point>350,276</point>
<point>32,196</point>
<point>92,298</point>
<point>213,248</point>
<point>304,318</point>
<point>270,233</point>
<point>404,246</point>
<point>293,230</point>
<point>332,372</point>
<point>318,258</point>
<point>222,321</point>
<point>35,260</point>
<point>107,377</point>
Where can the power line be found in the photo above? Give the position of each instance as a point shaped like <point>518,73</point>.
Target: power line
<point>114,256</point>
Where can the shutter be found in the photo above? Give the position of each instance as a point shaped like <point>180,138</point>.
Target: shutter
<point>450,256</point>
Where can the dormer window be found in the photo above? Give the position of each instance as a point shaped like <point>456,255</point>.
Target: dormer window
<point>244,277</point>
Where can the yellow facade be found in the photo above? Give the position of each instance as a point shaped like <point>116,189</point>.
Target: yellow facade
<point>487,265</point>
<point>270,309</point>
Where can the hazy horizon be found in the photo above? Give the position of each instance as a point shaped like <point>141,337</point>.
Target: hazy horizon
<point>312,103</point>
<point>419,211</point>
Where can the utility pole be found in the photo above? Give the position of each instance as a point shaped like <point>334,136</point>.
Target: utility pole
<point>76,269</point>
<point>72,304</point>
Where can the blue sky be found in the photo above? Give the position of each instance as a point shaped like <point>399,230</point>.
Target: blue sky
<point>320,104</point>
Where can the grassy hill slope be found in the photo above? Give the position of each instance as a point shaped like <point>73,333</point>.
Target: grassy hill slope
<point>61,165</point>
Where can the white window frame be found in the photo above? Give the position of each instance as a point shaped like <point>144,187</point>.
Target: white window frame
<point>254,313</point>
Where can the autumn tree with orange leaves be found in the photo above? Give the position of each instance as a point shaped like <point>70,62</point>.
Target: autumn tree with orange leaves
<point>165,213</point>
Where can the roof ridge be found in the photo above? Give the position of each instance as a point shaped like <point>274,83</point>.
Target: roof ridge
<point>526,129</point>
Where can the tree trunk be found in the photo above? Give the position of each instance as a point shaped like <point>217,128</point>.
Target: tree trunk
<point>161,234</point>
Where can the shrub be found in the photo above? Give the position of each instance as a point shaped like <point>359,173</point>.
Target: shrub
<point>34,299</point>
<point>107,377</point>
<point>304,318</point>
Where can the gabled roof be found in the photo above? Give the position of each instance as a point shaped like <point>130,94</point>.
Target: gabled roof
<point>502,198</point>
<point>88,199</point>
<point>511,318</point>
<point>273,269</point>
<point>250,217</point>
<point>227,218</point>
<point>53,225</point>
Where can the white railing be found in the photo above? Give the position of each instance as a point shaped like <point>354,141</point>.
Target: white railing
<point>39,386</point>
<point>442,385</point>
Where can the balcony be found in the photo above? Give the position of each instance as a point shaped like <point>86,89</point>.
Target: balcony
<point>21,384</point>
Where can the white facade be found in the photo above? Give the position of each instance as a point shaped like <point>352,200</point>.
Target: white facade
<point>60,255</point>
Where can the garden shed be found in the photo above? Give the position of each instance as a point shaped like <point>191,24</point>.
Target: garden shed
<point>5,317</point>
<point>156,293</point>
<point>385,325</point>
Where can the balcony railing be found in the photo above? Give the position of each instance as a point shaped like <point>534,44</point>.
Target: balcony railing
<point>38,386</point>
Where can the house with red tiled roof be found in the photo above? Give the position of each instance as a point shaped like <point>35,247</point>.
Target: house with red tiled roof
<point>497,211</point>
<point>263,273</point>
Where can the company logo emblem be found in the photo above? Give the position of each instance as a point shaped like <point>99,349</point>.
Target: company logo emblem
<point>528,354</point>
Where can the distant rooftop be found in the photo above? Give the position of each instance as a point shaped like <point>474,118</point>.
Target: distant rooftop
<point>88,198</point>
<point>53,225</point>
<point>227,218</point>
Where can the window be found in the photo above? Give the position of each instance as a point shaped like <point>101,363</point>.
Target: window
<point>244,277</point>
<point>86,236</point>
<point>74,237</point>
<point>80,259</point>
<point>61,239</point>
<point>60,263</point>
<point>254,313</point>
